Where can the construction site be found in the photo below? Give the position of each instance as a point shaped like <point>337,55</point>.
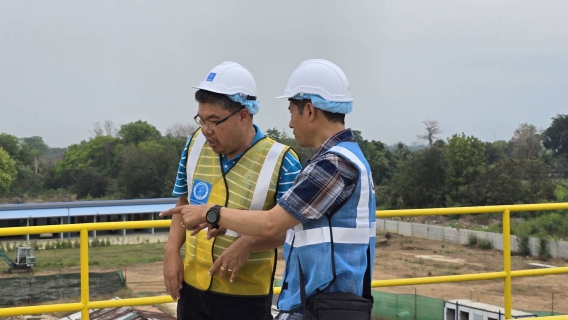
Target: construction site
<point>398,257</point>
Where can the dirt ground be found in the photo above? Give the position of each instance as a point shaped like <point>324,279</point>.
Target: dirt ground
<point>405,257</point>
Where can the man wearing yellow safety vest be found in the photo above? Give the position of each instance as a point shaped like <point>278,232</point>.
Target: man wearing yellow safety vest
<point>329,213</point>
<point>228,161</point>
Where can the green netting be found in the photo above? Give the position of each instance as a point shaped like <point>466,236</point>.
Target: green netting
<point>545,313</point>
<point>392,306</point>
<point>406,306</point>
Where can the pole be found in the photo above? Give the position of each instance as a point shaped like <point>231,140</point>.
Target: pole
<point>415,308</point>
<point>507,262</point>
<point>552,308</point>
<point>84,257</point>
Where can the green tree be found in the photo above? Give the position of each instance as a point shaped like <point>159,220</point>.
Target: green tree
<point>466,158</point>
<point>419,182</point>
<point>36,143</point>
<point>99,153</point>
<point>496,151</point>
<point>10,144</point>
<point>512,181</point>
<point>148,170</point>
<point>20,152</point>
<point>276,135</point>
<point>91,183</point>
<point>401,151</point>
<point>139,131</point>
<point>8,171</point>
<point>556,136</point>
<point>382,162</point>
<point>27,181</point>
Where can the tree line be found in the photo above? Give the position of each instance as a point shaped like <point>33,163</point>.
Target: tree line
<point>135,160</point>
<point>132,161</point>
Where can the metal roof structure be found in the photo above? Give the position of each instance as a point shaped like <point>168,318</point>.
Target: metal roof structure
<point>124,313</point>
<point>84,208</point>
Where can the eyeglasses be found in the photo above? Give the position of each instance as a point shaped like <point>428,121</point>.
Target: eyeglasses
<point>213,124</point>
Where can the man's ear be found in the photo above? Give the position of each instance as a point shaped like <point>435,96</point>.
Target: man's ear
<point>310,109</point>
<point>243,114</point>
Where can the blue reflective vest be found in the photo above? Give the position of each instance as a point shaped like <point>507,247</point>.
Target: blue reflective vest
<point>353,230</point>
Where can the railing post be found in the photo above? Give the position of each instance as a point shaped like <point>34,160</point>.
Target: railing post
<point>507,262</point>
<point>84,248</point>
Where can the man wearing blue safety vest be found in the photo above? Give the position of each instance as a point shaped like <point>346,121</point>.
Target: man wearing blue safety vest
<point>228,161</point>
<point>328,217</point>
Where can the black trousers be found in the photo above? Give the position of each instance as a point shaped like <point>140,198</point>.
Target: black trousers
<point>201,305</point>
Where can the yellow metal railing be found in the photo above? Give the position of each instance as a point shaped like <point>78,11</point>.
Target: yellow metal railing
<point>85,303</point>
<point>507,274</point>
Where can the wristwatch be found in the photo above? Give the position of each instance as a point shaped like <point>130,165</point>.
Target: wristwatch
<point>213,215</point>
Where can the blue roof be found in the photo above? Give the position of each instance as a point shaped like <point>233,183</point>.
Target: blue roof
<point>84,208</point>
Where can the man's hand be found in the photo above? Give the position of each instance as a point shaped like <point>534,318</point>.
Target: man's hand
<point>211,233</point>
<point>197,229</point>
<point>231,260</point>
<point>191,216</point>
<point>173,273</point>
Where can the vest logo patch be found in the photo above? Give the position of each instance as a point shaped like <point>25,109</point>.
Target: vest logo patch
<point>200,192</point>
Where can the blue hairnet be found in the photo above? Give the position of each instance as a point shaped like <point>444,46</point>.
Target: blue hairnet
<point>330,106</point>
<point>251,105</point>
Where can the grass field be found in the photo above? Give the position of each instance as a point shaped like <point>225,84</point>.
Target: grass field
<point>104,257</point>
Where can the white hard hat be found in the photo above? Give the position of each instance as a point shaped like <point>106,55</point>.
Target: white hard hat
<point>229,78</point>
<point>319,77</point>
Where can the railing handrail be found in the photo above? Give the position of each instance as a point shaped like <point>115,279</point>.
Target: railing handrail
<point>507,274</point>
<point>472,210</point>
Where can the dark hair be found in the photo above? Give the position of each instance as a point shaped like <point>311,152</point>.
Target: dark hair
<point>332,117</point>
<point>204,96</point>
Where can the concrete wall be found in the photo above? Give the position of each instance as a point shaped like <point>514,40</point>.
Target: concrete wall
<point>452,235</point>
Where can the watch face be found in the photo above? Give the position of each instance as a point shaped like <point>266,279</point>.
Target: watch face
<point>211,216</point>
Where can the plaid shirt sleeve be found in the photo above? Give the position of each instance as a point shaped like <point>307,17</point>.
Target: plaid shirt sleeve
<point>321,187</point>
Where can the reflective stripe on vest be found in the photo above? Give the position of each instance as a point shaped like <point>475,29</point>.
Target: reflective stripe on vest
<point>193,157</point>
<point>321,235</point>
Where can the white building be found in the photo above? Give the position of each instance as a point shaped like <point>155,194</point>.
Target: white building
<point>51,213</point>
<point>463,309</point>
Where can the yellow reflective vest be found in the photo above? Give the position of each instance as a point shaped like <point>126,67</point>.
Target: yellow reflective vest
<point>249,185</point>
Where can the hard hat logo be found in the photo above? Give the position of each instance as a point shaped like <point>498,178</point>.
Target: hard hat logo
<point>211,76</point>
